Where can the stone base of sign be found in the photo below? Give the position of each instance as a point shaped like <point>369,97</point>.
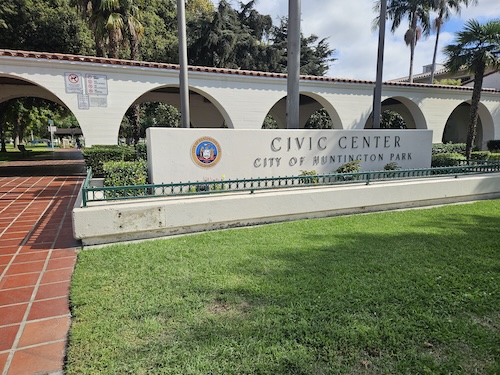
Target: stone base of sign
<point>102,223</point>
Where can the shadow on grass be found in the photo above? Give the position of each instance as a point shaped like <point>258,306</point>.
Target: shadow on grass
<point>399,292</point>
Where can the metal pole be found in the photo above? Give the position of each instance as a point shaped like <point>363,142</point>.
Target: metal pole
<point>183,63</point>
<point>293,63</point>
<point>377,95</point>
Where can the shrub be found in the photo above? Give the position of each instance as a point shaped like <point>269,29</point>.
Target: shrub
<point>351,167</point>
<point>446,148</point>
<point>494,156</point>
<point>493,145</point>
<point>447,159</point>
<point>308,180</point>
<point>125,173</point>
<point>480,155</point>
<point>142,151</point>
<point>391,166</point>
<point>97,155</point>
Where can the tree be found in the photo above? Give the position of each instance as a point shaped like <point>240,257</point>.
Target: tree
<point>245,39</point>
<point>476,47</point>
<point>417,13</point>
<point>44,25</point>
<point>444,9</point>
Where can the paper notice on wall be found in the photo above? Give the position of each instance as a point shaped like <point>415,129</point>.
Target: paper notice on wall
<point>83,101</point>
<point>98,101</point>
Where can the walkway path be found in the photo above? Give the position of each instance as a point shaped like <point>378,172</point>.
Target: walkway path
<point>37,256</point>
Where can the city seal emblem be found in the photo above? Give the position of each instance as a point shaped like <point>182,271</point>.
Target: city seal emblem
<point>206,152</point>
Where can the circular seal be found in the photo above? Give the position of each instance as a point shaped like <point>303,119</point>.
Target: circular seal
<point>206,152</point>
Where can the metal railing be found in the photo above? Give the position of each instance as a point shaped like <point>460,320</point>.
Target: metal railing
<point>116,193</point>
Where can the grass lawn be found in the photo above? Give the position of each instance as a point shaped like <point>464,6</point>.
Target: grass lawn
<point>407,292</point>
<point>14,154</point>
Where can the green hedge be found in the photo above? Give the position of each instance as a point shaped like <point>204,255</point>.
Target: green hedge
<point>97,155</point>
<point>493,145</point>
<point>142,151</point>
<point>451,159</point>
<point>125,173</point>
<point>447,148</point>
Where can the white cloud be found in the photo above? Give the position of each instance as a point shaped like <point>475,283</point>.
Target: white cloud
<point>348,29</point>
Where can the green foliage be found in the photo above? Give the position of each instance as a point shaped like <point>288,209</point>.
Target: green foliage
<point>392,120</point>
<point>43,25</point>
<point>447,160</point>
<point>246,39</point>
<point>313,179</point>
<point>269,123</point>
<point>97,155</point>
<point>404,292</point>
<point>125,173</point>
<point>350,167</point>
<point>142,151</point>
<point>448,82</point>
<point>494,156</point>
<point>319,120</point>
<point>393,166</point>
<point>443,148</point>
<point>493,145</point>
<point>480,155</point>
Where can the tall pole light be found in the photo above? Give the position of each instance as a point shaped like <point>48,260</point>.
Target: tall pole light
<point>377,95</point>
<point>183,63</point>
<point>293,63</point>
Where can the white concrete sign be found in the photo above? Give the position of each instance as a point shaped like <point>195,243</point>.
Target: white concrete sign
<point>188,155</point>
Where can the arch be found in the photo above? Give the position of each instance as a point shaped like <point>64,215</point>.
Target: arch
<point>406,108</point>
<point>205,111</point>
<point>19,87</point>
<point>309,104</point>
<point>456,127</point>
<point>13,87</point>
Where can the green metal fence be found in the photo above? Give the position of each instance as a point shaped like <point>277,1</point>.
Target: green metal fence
<point>116,193</point>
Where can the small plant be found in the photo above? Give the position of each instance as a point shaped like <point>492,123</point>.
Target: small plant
<point>480,155</point>
<point>211,184</point>
<point>351,167</point>
<point>444,148</point>
<point>125,173</point>
<point>308,180</point>
<point>393,166</point>
<point>493,145</point>
<point>447,160</point>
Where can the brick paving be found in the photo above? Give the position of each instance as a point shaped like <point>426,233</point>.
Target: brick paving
<point>37,256</point>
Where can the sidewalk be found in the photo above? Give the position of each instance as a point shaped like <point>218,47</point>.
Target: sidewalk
<point>37,256</point>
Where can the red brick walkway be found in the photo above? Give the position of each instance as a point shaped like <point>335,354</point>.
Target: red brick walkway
<point>37,256</point>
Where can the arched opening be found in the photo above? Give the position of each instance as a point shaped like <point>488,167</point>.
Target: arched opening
<point>161,108</point>
<point>315,113</point>
<point>457,126</point>
<point>26,112</point>
<point>399,113</point>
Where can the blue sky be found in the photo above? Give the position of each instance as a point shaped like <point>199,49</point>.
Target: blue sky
<point>347,25</point>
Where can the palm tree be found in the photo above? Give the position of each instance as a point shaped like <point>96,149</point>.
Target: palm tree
<point>476,47</point>
<point>444,9</point>
<point>417,13</point>
<point>110,20</point>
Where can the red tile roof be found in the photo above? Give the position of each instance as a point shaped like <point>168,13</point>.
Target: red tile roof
<point>145,64</point>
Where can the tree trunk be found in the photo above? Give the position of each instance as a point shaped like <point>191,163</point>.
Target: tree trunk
<point>474,107</point>
<point>136,109</point>
<point>413,43</point>
<point>433,68</point>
